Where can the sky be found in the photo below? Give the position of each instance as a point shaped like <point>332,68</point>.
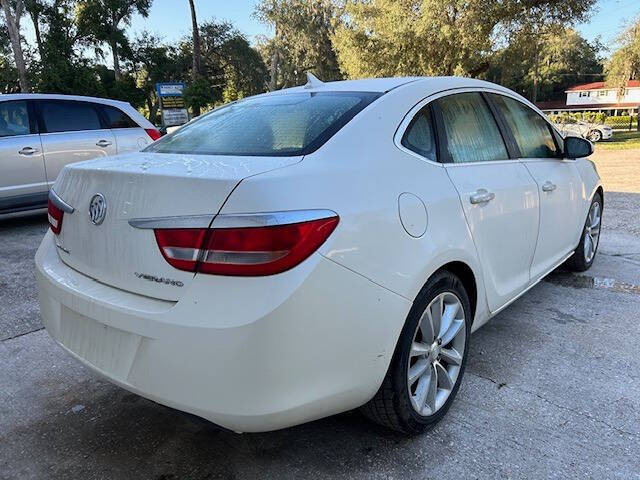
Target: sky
<point>171,19</point>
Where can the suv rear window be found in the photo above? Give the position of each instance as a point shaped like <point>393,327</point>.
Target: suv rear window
<point>270,125</point>
<point>116,118</point>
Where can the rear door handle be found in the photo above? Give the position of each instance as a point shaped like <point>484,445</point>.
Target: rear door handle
<point>103,143</point>
<point>28,151</point>
<point>482,195</point>
<point>548,186</point>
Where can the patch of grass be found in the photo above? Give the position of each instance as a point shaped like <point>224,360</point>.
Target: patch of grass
<point>621,140</point>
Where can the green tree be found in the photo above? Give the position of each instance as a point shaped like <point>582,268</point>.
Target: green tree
<point>196,90</point>
<point>35,9</point>
<point>440,37</point>
<point>104,21</point>
<point>564,59</point>
<point>302,40</point>
<point>62,67</point>
<point>8,74</point>
<point>13,11</point>
<point>155,62</point>
<point>536,21</point>
<point>408,37</point>
<point>230,64</point>
<point>624,64</point>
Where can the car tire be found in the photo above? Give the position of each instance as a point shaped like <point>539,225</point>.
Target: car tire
<point>594,136</point>
<point>395,405</point>
<point>585,253</point>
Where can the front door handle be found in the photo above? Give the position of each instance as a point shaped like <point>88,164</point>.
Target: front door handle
<point>548,186</point>
<point>28,151</point>
<point>103,143</point>
<point>482,195</point>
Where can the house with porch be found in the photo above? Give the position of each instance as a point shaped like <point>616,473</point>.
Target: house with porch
<point>596,97</point>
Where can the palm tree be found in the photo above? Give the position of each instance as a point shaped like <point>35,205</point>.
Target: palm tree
<point>197,60</point>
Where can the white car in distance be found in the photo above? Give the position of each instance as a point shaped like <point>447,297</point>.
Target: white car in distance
<point>305,252</point>
<point>593,132</point>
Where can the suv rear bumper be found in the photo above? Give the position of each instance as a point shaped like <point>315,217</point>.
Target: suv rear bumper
<point>308,343</point>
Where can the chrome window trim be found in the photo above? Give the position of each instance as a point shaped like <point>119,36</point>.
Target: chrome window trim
<point>58,202</point>
<point>233,220</point>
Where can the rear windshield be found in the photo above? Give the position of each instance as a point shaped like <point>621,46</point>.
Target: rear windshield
<point>270,125</point>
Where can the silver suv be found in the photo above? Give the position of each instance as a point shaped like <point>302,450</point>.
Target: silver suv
<point>40,134</point>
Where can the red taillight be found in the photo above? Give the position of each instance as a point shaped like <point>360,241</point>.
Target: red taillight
<point>247,251</point>
<point>153,133</point>
<point>55,218</point>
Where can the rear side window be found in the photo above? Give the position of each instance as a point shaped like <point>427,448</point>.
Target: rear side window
<point>530,130</point>
<point>271,125</point>
<point>116,118</point>
<point>471,131</point>
<point>69,116</point>
<point>14,119</point>
<point>419,136</point>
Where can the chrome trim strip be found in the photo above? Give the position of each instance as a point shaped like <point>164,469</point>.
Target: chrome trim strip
<point>267,219</point>
<point>240,220</point>
<point>58,202</point>
<point>186,221</point>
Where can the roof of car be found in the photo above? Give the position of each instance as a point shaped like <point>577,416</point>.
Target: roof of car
<point>386,84</point>
<point>55,96</point>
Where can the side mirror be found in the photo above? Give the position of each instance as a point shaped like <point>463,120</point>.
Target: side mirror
<point>576,147</point>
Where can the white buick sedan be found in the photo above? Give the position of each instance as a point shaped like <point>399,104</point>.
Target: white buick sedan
<point>309,251</point>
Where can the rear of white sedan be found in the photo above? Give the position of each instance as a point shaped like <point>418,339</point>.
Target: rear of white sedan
<point>306,252</point>
<point>235,316</point>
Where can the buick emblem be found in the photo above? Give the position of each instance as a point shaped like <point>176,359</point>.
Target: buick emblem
<point>97,209</point>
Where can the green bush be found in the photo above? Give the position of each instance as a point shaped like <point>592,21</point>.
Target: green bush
<point>573,117</point>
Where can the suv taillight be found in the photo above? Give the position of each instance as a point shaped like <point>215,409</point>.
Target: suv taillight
<point>55,217</point>
<point>243,251</point>
<point>153,133</point>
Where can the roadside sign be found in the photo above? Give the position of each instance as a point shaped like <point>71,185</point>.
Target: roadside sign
<point>172,104</point>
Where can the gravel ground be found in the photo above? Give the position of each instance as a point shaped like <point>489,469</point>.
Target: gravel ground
<point>552,389</point>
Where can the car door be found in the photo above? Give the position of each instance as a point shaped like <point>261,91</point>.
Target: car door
<point>22,177</point>
<point>558,181</point>
<point>130,137</point>
<point>72,131</point>
<point>497,193</point>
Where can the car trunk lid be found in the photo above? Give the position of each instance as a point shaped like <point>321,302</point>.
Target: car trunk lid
<point>143,185</point>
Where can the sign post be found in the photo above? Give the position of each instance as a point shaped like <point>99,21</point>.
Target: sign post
<point>172,107</point>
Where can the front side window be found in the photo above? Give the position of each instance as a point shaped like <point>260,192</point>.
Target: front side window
<point>14,119</point>
<point>471,131</point>
<point>270,125</point>
<point>69,116</point>
<point>530,130</point>
<point>116,118</point>
<point>419,135</point>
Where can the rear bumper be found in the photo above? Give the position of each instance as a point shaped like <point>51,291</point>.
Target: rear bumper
<point>252,354</point>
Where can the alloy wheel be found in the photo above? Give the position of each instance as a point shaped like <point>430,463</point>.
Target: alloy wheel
<point>436,353</point>
<point>594,136</point>
<point>592,232</point>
